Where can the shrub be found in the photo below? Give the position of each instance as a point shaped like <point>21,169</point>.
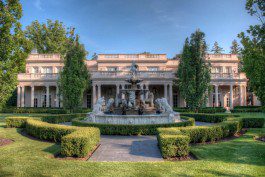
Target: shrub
<point>16,122</point>
<point>81,142</point>
<point>212,118</point>
<point>230,128</point>
<point>118,129</point>
<point>173,145</point>
<point>253,122</point>
<point>31,110</point>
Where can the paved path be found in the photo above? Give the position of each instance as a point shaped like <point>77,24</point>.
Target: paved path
<point>127,148</point>
<point>203,123</point>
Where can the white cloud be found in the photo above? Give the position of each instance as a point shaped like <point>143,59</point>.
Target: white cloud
<point>38,5</point>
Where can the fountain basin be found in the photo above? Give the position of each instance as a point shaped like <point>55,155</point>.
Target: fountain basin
<point>164,118</point>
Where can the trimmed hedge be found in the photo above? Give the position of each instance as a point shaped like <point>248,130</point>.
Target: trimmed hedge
<point>242,109</point>
<point>30,110</point>
<point>118,129</point>
<point>76,141</point>
<point>16,122</point>
<point>60,118</point>
<point>173,145</point>
<point>253,122</point>
<point>81,142</point>
<point>209,110</point>
<point>46,131</point>
<point>212,118</point>
<point>169,138</point>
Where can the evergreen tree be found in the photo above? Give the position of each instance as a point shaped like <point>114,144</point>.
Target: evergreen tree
<point>14,47</point>
<point>74,78</point>
<point>49,37</point>
<point>194,72</point>
<point>253,52</point>
<point>235,49</point>
<point>216,48</point>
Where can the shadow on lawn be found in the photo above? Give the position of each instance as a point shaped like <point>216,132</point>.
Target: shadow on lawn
<point>220,173</point>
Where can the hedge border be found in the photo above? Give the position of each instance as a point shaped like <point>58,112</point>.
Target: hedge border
<point>211,118</point>
<point>31,110</point>
<point>119,129</point>
<point>75,141</point>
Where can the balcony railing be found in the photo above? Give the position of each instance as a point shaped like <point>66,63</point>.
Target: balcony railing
<point>126,74</point>
<point>47,76</point>
<point>228,76</point>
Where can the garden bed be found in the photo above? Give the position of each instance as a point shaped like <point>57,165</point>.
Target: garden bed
<point>4,141</point>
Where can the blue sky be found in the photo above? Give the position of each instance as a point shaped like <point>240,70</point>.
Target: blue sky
<point>134,26</point>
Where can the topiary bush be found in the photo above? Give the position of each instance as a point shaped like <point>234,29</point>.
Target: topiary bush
<point>253,122</point>
<point>16,122</point>
<point>118,129</point>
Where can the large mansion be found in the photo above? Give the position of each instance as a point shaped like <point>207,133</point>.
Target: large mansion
<point>38,86</point>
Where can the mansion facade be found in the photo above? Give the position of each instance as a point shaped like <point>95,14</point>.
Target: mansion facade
<point>38,86</point>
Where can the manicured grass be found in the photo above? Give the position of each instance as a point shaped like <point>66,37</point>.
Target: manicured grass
<point>27,157</point>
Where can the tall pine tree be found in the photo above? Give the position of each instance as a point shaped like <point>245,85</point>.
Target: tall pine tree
<point>217,49</point>
<point>235,48</point>
<point>194,72</point>
<point>74,78</point>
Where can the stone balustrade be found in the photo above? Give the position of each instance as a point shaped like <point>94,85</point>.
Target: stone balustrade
<point>39,76</point>
<point>126,74</point>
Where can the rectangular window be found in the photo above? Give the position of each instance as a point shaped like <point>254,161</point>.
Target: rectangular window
<point>88,99</point>
<point>228,69</point>
<point>47,70</point>
<point>35,70</point>
<point>112,69</point>
<point>153,68</point>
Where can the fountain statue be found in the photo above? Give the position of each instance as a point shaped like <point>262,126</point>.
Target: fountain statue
<point>130,106</point>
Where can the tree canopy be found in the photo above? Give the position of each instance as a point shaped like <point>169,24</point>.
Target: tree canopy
<point>14,47</point>
<point>194,72</point>
<point>253,52</point>
<point>49,37</point>
<point>216,48</point>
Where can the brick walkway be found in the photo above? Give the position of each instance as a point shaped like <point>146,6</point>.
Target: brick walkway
<point>127,148</point>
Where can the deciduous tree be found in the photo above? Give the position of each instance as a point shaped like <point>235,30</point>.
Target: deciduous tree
<point>14,47</point>
<point>194,71</point>
<point>253,52</point>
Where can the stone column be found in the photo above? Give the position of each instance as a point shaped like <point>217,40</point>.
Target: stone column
<point>216,96</point>
<point>245,95</point>
<point>117,95</point>
<point>170,95</point>
<point>231,97</point>
<point>99,91</point>
<point>165,91</point>
<point>207,93</point>
<point>23,96</point>
<point>240,95</point>
<point>18,97</point>
<point>123,95</point>
<point>47,96</point>
<point>94,95</point>
<point>142,95</point>
<point>32,97</point>
<point>146,93</point>
<point>57,97</point>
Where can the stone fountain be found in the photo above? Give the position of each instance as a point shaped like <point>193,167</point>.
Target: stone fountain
<point>133,108</point>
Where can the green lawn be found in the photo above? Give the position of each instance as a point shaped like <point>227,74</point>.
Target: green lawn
<point>239,157</point>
